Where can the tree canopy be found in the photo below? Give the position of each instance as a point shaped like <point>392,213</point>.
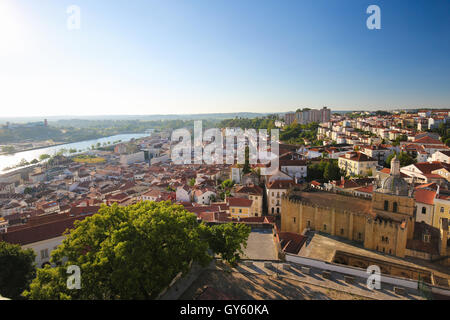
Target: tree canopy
<point>226,240</point>
<point>325,169</point>
<point>132,252</point>
<point>17,269</point>
<point>404,158</point>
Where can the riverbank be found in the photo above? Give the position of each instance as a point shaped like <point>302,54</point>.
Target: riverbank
<point>10,162</point>
<point>34,148</point>
<point>57,144</point>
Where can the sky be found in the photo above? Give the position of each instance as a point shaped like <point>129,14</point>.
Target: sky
<point>211,56</point>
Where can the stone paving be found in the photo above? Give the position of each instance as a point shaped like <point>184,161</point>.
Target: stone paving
<point>336,282</point>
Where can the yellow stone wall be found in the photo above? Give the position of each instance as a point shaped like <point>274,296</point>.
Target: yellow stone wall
<point>298,215</point>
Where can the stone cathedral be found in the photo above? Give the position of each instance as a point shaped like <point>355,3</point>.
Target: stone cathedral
<point>386,224</point>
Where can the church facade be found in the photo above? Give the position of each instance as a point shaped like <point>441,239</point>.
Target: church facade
<point>385,224</point>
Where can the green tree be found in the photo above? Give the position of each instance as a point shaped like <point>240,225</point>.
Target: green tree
<point>246,168</point>
<point>34,161</point>
<point>447,142</point>
<point>404,158</point>
<point>226,187</point>
<point>228,240</point>
<point>129,252</point>
<point>192,182</point>
<point>8,149</point>
<point>28,190</point>
<point>44,156</point>
<point>17,269</point>
<point>332,171</point>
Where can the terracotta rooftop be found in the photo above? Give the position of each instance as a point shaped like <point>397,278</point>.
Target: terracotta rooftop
<point>39,232</point>
<point>291,242</point>
<point>239,202</point>
<point>280,184</point>
<point>357,156</point>
<point>425,196</point>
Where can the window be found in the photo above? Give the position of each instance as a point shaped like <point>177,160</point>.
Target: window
<point>442,209</point>
<point>324,227</point>
<point>394,208</point>
<point>240,210</point>
<point>308,223</point>
<point>386,205</point>
<point>294,219</point>
<point>278,210</point>
<point>342,231</point>
<point>359,236</point>
<point>44,254</point>
<point>232,210</point>
<point>424,210</point>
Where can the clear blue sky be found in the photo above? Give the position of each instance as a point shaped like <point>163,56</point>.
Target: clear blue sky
<point>201,56</point>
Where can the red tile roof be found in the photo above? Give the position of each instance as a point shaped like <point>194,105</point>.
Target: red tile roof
<point>425,196</point>
<point>280,184</point>
<point>239,202</point>
<point>39,232</point>
<point>427,167</point>
<point>367,189</point>
<point>357,156</point>
<point>291,242</point>
<point>427,140</point>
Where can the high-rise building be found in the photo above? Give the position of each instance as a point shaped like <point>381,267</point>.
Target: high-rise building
<point>306,116</point>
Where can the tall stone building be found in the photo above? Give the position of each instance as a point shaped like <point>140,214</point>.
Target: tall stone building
<point>385,224</point>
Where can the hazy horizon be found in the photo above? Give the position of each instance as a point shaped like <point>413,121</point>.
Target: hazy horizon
<point>180,57</point>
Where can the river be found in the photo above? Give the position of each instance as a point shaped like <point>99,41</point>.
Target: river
<point>14,159</point>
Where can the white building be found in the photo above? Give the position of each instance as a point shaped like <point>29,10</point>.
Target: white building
<point>126,159</point>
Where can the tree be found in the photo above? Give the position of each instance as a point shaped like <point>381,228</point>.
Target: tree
<point>17,269</point>
<point>34,161</point>
<point>404,158</point>
<point>44,156</point>
<point>226,186</point>
<point>246,168</point>
<point>228,240</point>
<point>28,190</point>
<point>192,182</point>
<point>332,171</point>
<point>8,149</point>
<point>130,252</point>
<point>447,142</point>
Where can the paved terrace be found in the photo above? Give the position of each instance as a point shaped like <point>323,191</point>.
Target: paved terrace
<point>322,246</point>
<point>258,282</point>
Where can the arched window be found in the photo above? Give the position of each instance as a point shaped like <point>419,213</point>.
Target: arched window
<point>394,207</point>
<point>278,210</point>
<point>386,205</point>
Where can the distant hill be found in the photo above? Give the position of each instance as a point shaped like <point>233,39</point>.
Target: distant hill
<point>157,117</point>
